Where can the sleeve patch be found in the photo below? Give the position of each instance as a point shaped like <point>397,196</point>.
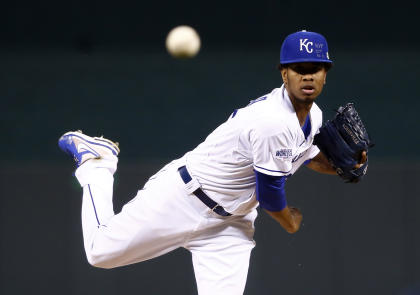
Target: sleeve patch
<point>282,154</point>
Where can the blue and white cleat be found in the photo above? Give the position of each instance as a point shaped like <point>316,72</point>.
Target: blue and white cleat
<point>82,147</point>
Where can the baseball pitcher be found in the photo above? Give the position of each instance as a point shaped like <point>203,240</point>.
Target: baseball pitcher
<point>206,201</point>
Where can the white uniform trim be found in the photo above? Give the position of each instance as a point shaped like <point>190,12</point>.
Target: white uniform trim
<point>265,136</point>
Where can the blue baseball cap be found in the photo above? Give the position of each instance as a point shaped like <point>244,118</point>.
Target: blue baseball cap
<point>304,46</point>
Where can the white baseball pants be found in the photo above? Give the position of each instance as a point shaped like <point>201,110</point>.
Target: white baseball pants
<point>160,218</point>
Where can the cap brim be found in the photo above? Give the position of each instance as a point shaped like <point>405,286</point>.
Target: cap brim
<point>306,60</point>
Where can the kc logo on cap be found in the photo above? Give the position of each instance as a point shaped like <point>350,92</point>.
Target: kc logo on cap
<point>304,46</point>
<point>305,43</point>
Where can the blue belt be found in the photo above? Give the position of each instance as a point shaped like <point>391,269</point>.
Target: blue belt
<point>186,177</point>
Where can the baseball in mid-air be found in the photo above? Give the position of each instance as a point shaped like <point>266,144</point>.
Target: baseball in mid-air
<point>183,42</point>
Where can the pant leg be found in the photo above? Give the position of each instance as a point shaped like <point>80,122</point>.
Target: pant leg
<point>221,255</point>
<point>155,222</point>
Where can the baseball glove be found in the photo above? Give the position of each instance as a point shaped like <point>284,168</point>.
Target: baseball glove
<point>343,140</point>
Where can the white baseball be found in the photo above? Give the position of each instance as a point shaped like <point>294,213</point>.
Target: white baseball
<point>183,42</point>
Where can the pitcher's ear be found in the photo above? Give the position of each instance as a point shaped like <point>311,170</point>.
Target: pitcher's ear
<point>283,71</point>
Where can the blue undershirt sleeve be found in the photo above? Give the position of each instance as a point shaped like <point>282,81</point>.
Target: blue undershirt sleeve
<point>270,191</point>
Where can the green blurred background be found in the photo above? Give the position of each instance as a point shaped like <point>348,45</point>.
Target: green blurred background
<point>102,67</point>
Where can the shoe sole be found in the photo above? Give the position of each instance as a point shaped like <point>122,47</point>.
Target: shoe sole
<point>94,140</point>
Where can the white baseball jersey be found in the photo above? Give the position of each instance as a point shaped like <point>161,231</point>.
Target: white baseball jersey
<point>265,136</point>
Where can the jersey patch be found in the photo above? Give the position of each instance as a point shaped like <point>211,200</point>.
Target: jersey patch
<point>282,154</point>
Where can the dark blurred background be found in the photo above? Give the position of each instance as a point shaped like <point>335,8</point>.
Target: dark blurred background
<point>101,66</point>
